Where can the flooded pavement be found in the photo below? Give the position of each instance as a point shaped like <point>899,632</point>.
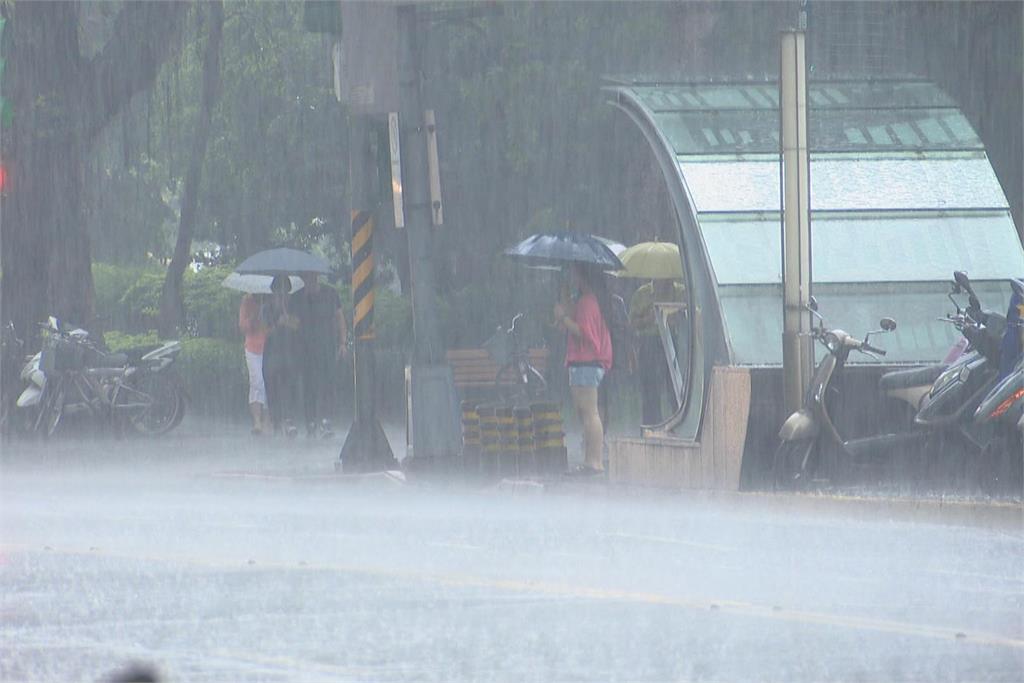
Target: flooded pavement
<point>119,551</point>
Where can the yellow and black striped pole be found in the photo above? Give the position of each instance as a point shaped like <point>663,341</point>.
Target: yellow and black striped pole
<point>362,274</point>
<point>366,447</point>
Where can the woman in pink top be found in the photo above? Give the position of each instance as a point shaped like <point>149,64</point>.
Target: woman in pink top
<point>255,331</point>
<point>588,355</point>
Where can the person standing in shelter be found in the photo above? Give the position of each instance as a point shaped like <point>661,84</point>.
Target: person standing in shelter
<point>323,331</point>
<point>255,331</point>
<point>588,356</point>
<point>655,380</point>
<point>281,357</point>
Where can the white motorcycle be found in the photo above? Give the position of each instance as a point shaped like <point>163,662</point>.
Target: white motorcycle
<point>133,390</point>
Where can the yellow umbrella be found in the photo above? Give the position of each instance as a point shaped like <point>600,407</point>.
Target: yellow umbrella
<point>652,261</point>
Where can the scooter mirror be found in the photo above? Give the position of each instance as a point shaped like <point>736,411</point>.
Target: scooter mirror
<point>887,324</point>
<point>960,277</point>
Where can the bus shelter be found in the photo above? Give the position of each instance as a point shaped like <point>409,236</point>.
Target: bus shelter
<point>902,194</point>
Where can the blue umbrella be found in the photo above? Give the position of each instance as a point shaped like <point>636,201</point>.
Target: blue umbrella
<point>561,247</point>
<point>283,261</point>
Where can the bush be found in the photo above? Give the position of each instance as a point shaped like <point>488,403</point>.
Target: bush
<point>129,298</point>
<point>212,370</point>
<point>213,306</point>
<point>110,283</point>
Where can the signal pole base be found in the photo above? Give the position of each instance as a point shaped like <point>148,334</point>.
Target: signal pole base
<point>366,449</point>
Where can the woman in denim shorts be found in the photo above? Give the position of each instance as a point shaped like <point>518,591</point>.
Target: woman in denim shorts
<point>588,355</point>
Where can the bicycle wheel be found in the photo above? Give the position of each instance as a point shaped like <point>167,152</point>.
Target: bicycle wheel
<point>164,408</point>
<point>51,408</point>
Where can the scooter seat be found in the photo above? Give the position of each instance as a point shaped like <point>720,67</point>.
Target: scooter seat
<point>915,377</point>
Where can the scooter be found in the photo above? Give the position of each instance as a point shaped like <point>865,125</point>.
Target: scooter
<point>913,385</point>
<point>810,430</point>
<point>950,404</point>
<point>1002,458</point>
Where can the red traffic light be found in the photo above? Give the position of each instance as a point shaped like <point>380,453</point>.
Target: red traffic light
<point>3,177</point>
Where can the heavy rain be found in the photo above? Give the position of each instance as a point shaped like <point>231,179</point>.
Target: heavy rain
<point>511,341</point>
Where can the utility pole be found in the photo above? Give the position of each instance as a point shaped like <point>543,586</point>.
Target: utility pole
<point>434,418</point>
<point>381,81</point>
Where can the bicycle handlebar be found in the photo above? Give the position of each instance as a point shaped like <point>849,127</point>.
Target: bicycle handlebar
<point>515,321</point>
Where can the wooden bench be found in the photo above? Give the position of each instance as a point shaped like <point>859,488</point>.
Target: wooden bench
<point>475,369</point>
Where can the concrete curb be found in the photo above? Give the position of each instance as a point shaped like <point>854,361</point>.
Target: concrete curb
<point>993,515</point>
<point>1005,516</point>
<point>389,479</point>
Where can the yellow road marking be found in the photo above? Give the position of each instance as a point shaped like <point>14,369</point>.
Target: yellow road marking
<point>669,540</point>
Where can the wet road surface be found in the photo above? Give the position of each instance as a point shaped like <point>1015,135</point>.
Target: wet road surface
<point>165,553</point>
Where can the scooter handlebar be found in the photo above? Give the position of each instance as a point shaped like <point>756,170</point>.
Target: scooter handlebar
<point>872,349</point>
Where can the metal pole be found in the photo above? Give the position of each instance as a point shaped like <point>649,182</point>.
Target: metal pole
<point>797,356</point>
<point>366,448</point>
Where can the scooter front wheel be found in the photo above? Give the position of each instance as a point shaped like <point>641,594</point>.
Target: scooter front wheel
<point>793,465</point>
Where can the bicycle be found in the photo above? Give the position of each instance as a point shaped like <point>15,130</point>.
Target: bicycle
<point>126,390</point>
<point>517,380</point>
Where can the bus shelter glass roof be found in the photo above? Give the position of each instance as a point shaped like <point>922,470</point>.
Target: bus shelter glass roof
<point>901,190</point>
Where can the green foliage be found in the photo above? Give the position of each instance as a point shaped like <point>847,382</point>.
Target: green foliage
<point>110,283</point>
<point>210,304</point>
<point>212,370</point>
<point>140,303</point>
<point>128,298</point>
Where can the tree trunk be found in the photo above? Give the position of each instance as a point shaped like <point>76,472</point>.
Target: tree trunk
<point>172,305</point>
<point>60,102</point>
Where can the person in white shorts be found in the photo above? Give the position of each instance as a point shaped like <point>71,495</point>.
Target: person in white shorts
<point>255,331</point>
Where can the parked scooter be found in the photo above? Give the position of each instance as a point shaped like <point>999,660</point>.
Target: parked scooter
<point>135,390</point>
<point>1002,458</point>
<point>12,347</point>
<point>913,385</point>
<point>811,429</point>
<point>950,404</point>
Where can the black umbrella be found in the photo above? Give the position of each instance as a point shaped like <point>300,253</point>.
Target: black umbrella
<point>283,261</point>
<point>561,247</point>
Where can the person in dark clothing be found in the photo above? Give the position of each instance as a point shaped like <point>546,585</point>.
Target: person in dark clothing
<point>323,333</point>
<point>281,357</point>
<point>655,375</point>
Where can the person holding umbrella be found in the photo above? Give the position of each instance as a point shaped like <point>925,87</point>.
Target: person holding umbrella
<point>281,361</point>
<point>660,264</point>
<point>255,329</point>
<point>324,333</point>
<point>588,356</point>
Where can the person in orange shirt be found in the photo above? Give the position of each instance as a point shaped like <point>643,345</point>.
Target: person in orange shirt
<point>255,331</point>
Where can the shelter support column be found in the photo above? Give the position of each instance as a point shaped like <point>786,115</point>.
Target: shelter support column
<point>797,350</point>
